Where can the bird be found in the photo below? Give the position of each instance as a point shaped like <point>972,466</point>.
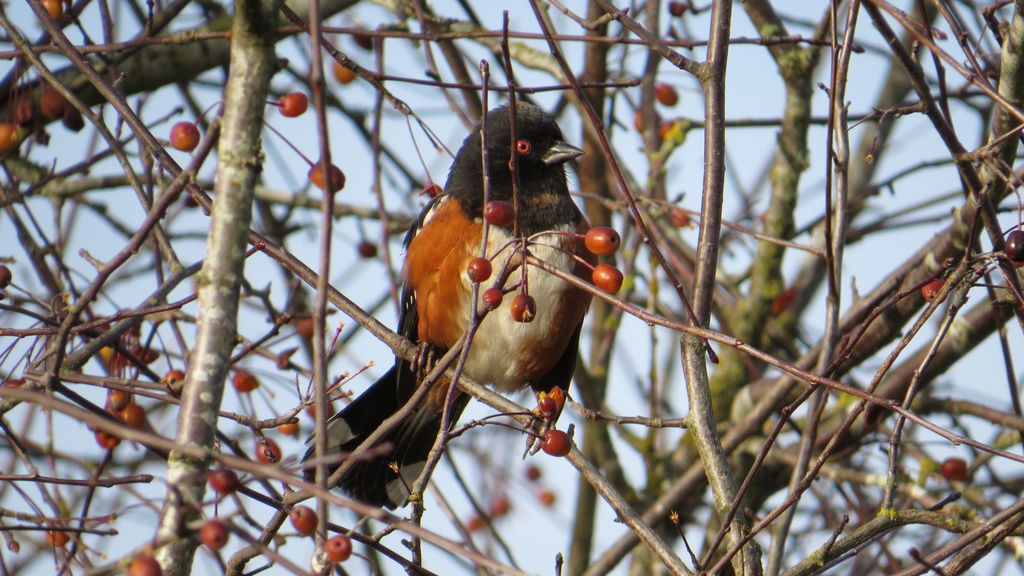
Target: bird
<point>437,296</point>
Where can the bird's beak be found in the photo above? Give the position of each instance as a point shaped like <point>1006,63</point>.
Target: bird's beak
<point>560,153</point>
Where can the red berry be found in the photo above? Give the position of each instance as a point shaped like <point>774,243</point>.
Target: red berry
<point>367,249</point>
<point>533,473</point>
<point>523,308</point>
<point>342,74</point>
<point>1014,246</point>
<point>607,278</point>
<point>267,451</point>
<point>547,407</point>
<point>479,269</point>
<point>930,290</point>
<point>492,298</point>
<point>303,519</point>
<point>338,548</point>
<point>8,136</point>
<point>244,381</point>
<point>666,95</point>
<point>57,538</point>
<point>5,276</point>
<point>145,566</point>
<point>555,443</point>
<point>223,480</point>
<point>954,469</point>
<point>677,9</point>
<point>602,240</point>
<point>52,104</point>
<point>499,213</point>
<point>294,104</point>
<point>289,428</point>
<point>118,399</point>
<point>185,136</point>
<point>214,534</point>
<point>337,177</point>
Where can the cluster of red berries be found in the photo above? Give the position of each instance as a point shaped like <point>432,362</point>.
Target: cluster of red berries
<point>600,240</point>
<point>26,112</point>
<point>185,137</point>
<point>338,548</point>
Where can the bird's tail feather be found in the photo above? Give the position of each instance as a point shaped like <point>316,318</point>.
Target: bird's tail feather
<point>373,480</point>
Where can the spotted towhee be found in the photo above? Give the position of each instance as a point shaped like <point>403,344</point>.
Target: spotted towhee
<point>436,300</point>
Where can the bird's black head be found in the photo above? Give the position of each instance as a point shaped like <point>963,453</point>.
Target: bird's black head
<point>540,156</point>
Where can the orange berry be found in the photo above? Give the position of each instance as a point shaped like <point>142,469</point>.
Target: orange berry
<point>8,137</point>
<point>289,428</point>
<point>54,7</point>
<point>342,74</point>
<point>107,441</point>
<point>602,240</point>
<point>118,399</point>
<point>145,566</point>
<point>931,290</point>
<point>546,498</point>
<point>57,538</point>
<point>174,377</point>
<point>607,278</point>
<point>133,415</point>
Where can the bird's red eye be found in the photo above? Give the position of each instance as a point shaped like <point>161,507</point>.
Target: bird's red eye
<point>523,147</point>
